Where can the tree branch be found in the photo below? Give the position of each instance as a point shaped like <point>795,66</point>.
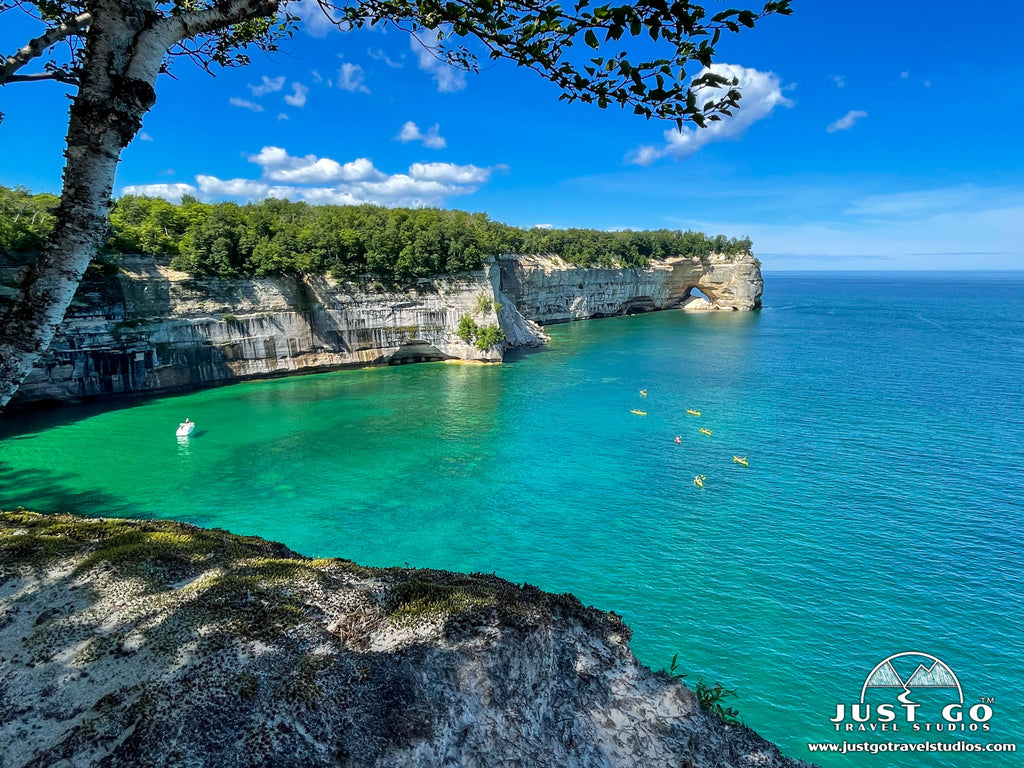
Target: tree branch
<point>38,46</point>
<point>184,26</point>
<point>60,77</point>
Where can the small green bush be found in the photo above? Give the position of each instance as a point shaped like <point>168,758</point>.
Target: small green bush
<point>709,696</point>
<point>468,329</point>
<point>489,336</point>
<point>483,304</point>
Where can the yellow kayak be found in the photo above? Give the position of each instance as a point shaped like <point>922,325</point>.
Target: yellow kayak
<point>741,460</point>
<point>692,412</point>
<point>705,431</point>
<point>638,413</point>
<point>698,480</point>
<point>643,393</point>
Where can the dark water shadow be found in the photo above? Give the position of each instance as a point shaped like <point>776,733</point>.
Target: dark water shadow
<point>43,416</point>
<point>513,356</point>
<point>41,490</point>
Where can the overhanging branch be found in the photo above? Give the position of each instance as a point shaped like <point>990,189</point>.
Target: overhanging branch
<point>60,77</point>
<point>184,26</point>
<point>36,47</point>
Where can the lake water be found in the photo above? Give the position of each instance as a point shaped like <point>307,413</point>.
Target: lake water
<point>883,420</point>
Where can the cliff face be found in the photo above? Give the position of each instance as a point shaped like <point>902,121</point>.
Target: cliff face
<point>149,329</point>
<point>550,290</point>
<point>155,643</point>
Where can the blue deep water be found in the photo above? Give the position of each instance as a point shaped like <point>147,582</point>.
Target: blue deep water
<point>882,417</point>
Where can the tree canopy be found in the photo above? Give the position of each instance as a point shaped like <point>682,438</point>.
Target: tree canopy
<point>275,237</point>
<point>574,46</point>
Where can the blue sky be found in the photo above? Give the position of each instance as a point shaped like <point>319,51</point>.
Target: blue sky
<point>873,135</point>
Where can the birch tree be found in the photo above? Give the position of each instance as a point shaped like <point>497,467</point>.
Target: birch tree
<point>112,53</point>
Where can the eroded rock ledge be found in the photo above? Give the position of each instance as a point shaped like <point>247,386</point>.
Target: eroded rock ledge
<point>147,328</point>
<point>549,290</point>
<point>126,643</point>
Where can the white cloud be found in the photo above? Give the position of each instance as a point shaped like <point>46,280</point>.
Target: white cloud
<point>542,226</point>
<point>167,172</point>
<point>282,115</point>
<point>172,192</point>
<point>323,180</point>
<point>646,155</point>
<point>930,202</point>
<point>904,75</point>
<point>449,173</point>
<point>432,139</point>
<point>377,54</point>
<point>317,77</point>
<point>143,136</point>
<point>212,187</point>
<point>350,78</point>
<point>846,122</point>
<point>298,98</point>
<point>315,21</point>
<point>237,102</point>
<point>448,78</point>
<point>761,93</point>
<point>962,227</point>
<point>269,85</point>
<point>839,80</point>
<point>278,165</point>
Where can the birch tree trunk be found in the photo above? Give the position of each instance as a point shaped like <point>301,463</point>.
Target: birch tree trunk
<point>125,46</point>
<point>115,91</point>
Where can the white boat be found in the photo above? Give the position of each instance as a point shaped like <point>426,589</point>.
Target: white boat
<point>185,428</point>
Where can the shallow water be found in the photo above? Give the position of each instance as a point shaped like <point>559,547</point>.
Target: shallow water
<point>881,511</point>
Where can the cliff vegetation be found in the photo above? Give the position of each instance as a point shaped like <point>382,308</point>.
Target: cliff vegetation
<point>278,237</point>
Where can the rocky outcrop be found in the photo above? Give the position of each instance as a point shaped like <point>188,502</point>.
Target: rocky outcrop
<point>549,290</point>
<point>149,328</point>
<point>155,643</point>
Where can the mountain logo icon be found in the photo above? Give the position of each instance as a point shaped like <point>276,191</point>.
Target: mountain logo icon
<point>930,672</point>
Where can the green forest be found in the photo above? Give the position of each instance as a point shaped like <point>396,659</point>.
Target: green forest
<point>274,237</point>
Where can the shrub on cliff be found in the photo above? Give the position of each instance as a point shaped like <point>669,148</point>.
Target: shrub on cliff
<point>489,336</point>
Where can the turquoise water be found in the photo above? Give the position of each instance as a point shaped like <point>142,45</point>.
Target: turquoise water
<point>881,512</point>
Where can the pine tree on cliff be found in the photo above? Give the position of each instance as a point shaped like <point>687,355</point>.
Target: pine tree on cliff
<point>116,50</point>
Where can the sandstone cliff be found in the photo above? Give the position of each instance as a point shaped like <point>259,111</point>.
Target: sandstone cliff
<point>127,643</point>
<point>148,328</point>
<point>550,290</point>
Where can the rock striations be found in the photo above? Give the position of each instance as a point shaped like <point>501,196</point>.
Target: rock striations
<point>550,290</point>
<point>126,643</point>
<point>147,328</point>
